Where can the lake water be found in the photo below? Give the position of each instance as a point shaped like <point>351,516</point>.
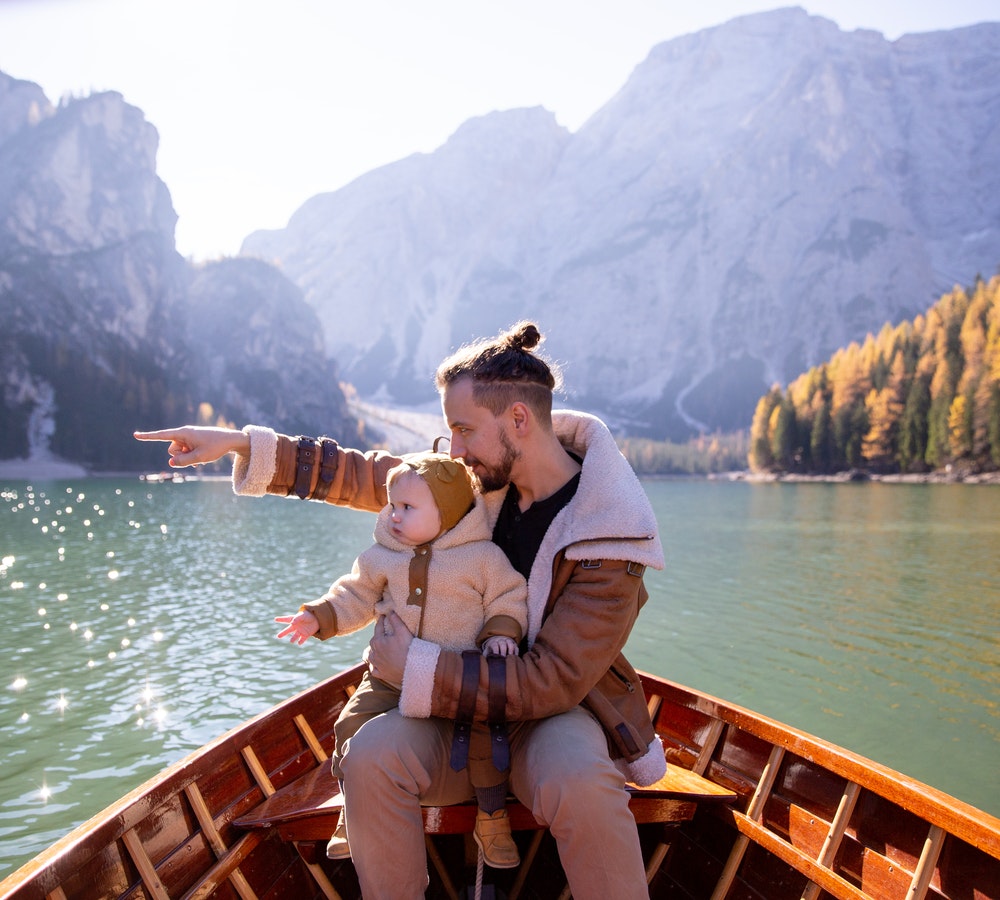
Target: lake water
<point>136,624</point>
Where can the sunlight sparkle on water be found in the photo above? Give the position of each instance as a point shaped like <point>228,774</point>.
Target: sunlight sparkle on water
<point>19,683</point>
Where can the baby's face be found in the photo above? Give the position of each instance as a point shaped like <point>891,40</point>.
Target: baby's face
<point>415,518</point>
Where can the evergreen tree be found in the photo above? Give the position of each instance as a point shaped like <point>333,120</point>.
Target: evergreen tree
<point>884,408</point>
<point>993,425</point>
<point>959,427</point>
<point>761,458</point>
<point>922,393</point>
<point>821,449</point>
<point>913,428</point>
<point>783,435</point>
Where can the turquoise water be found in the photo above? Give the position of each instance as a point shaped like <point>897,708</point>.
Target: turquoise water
<point>136,624</point>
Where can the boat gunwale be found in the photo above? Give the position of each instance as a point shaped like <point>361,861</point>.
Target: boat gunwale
<point>928,803</point>
<point>133,808</point>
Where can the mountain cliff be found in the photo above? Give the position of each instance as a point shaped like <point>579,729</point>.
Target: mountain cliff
<point>756,195</point>
<point>105,327</point>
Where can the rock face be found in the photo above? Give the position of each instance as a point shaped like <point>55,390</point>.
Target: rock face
<point>757,195</point>
<point>105,327</point>
<point>261,348</point>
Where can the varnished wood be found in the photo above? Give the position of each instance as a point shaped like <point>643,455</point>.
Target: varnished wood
<point>925,867</point>
<point>146,868</point>
<point>797,818</point>
<point>226,868</point>
<point>228,860</point>
<point>308,809</point>
<point>314,745</point>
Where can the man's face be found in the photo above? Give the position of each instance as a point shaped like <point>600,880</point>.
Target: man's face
<point>478,438</point>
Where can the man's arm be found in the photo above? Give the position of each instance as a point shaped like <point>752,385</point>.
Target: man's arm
<point>577,644</point>
<point>268,462</point>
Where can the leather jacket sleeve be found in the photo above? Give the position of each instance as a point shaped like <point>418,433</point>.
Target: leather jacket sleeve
<point>337,475</point>
<point>581,639</point>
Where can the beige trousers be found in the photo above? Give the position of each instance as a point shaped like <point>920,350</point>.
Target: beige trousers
<point>559,769</point>
<point>374,697</point>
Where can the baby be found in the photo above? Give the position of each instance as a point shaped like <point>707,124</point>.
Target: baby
<point>435,565</point>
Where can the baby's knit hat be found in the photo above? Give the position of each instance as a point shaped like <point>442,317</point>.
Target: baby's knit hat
<point>450,482</point>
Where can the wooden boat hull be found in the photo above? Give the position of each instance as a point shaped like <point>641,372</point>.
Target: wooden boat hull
<point>810,820</point>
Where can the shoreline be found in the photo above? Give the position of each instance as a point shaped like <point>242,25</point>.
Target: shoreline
<point>56,469</point>
<point>862,477</point>
<point>21,469</point>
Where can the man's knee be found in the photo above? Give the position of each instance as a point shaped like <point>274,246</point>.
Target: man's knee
<point>372,748</point>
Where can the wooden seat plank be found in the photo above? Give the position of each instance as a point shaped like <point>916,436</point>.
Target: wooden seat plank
<point>316,793</point>
<point>680,783</point>
<point>307,809</point>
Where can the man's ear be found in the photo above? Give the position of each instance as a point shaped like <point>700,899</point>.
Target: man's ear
<point>520,417</point>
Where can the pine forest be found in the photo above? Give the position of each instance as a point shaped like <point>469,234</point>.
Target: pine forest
<point>917,397</point>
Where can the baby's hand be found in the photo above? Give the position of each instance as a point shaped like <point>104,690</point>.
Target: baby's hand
<point>498,645</point>
<point>302,626</point>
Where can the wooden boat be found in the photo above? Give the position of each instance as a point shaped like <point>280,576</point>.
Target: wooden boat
<point>750,808</point>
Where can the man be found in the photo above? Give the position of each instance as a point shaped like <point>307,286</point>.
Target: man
<point>574,520</point>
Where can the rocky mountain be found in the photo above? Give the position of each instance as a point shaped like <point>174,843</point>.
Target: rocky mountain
<point>105,327</point>
<point>756,195</point>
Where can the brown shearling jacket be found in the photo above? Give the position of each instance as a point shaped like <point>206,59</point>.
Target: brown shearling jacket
<point>585,589</point>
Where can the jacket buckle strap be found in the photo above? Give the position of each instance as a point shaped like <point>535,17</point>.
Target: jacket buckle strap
<point>466,710</point>
<point>305,462</point>
<point>499,741</point>
<point>635,569</point>
<point>327,468</point>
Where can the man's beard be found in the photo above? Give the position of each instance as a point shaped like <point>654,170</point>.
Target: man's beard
<point>497,476</point>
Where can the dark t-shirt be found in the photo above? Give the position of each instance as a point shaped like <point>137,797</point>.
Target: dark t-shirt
<point>519,534</point>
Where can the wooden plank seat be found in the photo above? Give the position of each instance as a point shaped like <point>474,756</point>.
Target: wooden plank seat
<point>306,810</point>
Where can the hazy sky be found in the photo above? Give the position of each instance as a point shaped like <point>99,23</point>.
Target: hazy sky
<point>261,104</point>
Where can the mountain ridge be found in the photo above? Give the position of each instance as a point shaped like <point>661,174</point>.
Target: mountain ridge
<point>756,196</point>
<point>739,170</point>
<point>104,322</point>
